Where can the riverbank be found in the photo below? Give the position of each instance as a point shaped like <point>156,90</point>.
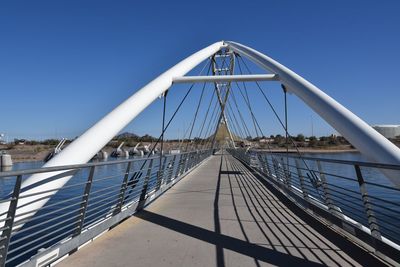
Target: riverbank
<point>314,150</point>
<point>26,153</point>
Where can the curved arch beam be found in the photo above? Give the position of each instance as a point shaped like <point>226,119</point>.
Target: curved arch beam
<point>95,138</point>
<point>370,143</point>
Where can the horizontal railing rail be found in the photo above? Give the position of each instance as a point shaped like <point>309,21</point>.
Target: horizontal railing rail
<point>354,195</point>
<point>78,166</point>
<point>340,161</point>
<point>100,195</point>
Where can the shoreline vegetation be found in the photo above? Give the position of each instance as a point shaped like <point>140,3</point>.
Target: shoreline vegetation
<point>25,150</point>
<point>27,153</point>
<point>315,150</point>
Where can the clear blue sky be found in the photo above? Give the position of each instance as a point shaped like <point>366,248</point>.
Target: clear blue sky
<point>65,64</point>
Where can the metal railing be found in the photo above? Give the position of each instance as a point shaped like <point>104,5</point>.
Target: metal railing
<point>99,196</point>
<point>353,195</point>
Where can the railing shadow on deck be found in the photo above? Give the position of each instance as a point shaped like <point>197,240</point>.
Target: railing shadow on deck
<point>292,224</point>
<point>225,241</point>
<point>96,199</point>
<point>276,222</point>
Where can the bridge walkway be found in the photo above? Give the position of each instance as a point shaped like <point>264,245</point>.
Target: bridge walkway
<point>219,215</point>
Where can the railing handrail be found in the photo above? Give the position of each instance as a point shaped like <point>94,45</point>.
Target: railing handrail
<point>94,205</point>
<point>85,165</point>
<point>313,190</point>
<point>339,161</point>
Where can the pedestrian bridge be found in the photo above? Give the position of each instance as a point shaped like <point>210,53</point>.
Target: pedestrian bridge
<point>245,205</point>
<point>221,214</point>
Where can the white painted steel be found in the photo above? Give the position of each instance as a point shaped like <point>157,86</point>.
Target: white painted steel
<point>226,78</point>
<point>369,142</point>
<point>373,145</point>
<point>89,143</point>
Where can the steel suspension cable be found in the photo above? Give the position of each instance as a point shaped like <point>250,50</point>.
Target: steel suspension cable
<point>163,131</point>
<point>246,129</point>
<point>234,126</point>
<point>315,178</point>
<point>197,110</point>
<point>135,175</point>
<point>247,96</point>
<point>210,121</point>
<point>206,116</point>
<point>273,110</point>
<point>215,106</point>
<point>236,121</point>
<point>253,117</point>
<point>163,127</point>
<point>213,120</point>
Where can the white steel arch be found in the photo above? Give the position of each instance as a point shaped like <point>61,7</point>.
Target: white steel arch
<point>95,138</point>
<point>361,135</point>
<point>370,143</point>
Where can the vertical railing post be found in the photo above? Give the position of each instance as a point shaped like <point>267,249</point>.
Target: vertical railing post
<point>267,166</point>
<point>180,164</point>
<point>327,196</point>
<point>261,163</point>
<point>302,183</point>
<point>179,167</point>
<point>276,169</point>
<point>185,163</point>
<point>84,203</point>
<point>264,164</point>
<point>160,175</point>
<point>282,172</point>
<point>124,186</point>
<point>286,173</point>
<point>9,221</point>
<point>195,158</point>
<point>142,198</point>
<point>191,160</point>
<point>372,222</point>
<point>198,158</point>
<point>171,169</point>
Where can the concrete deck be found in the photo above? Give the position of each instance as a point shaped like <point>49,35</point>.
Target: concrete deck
<point>219,215</point>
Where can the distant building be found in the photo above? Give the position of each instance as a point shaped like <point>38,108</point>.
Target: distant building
<point>267,140</point>
<point>388,131</point>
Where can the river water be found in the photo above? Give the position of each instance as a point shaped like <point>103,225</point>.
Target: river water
<point>344,190</point>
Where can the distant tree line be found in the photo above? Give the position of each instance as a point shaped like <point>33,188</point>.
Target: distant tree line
<point>300,140</point>
<point>278,140</point>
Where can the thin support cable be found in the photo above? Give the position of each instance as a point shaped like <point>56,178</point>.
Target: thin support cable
<point>286,125</point>
<point>211,126</point>
<point>253,117</point>
<point>162,132</point>
<point>236,121</point>
<point>134,176</point>
<point>246,129</point>
<point>166,127</point>
<point>205,118</point>
<point>246,97</point>
<point>205,140</point>
<point>314,178</point>
<point>234,126</point>
<point>197,110</point>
